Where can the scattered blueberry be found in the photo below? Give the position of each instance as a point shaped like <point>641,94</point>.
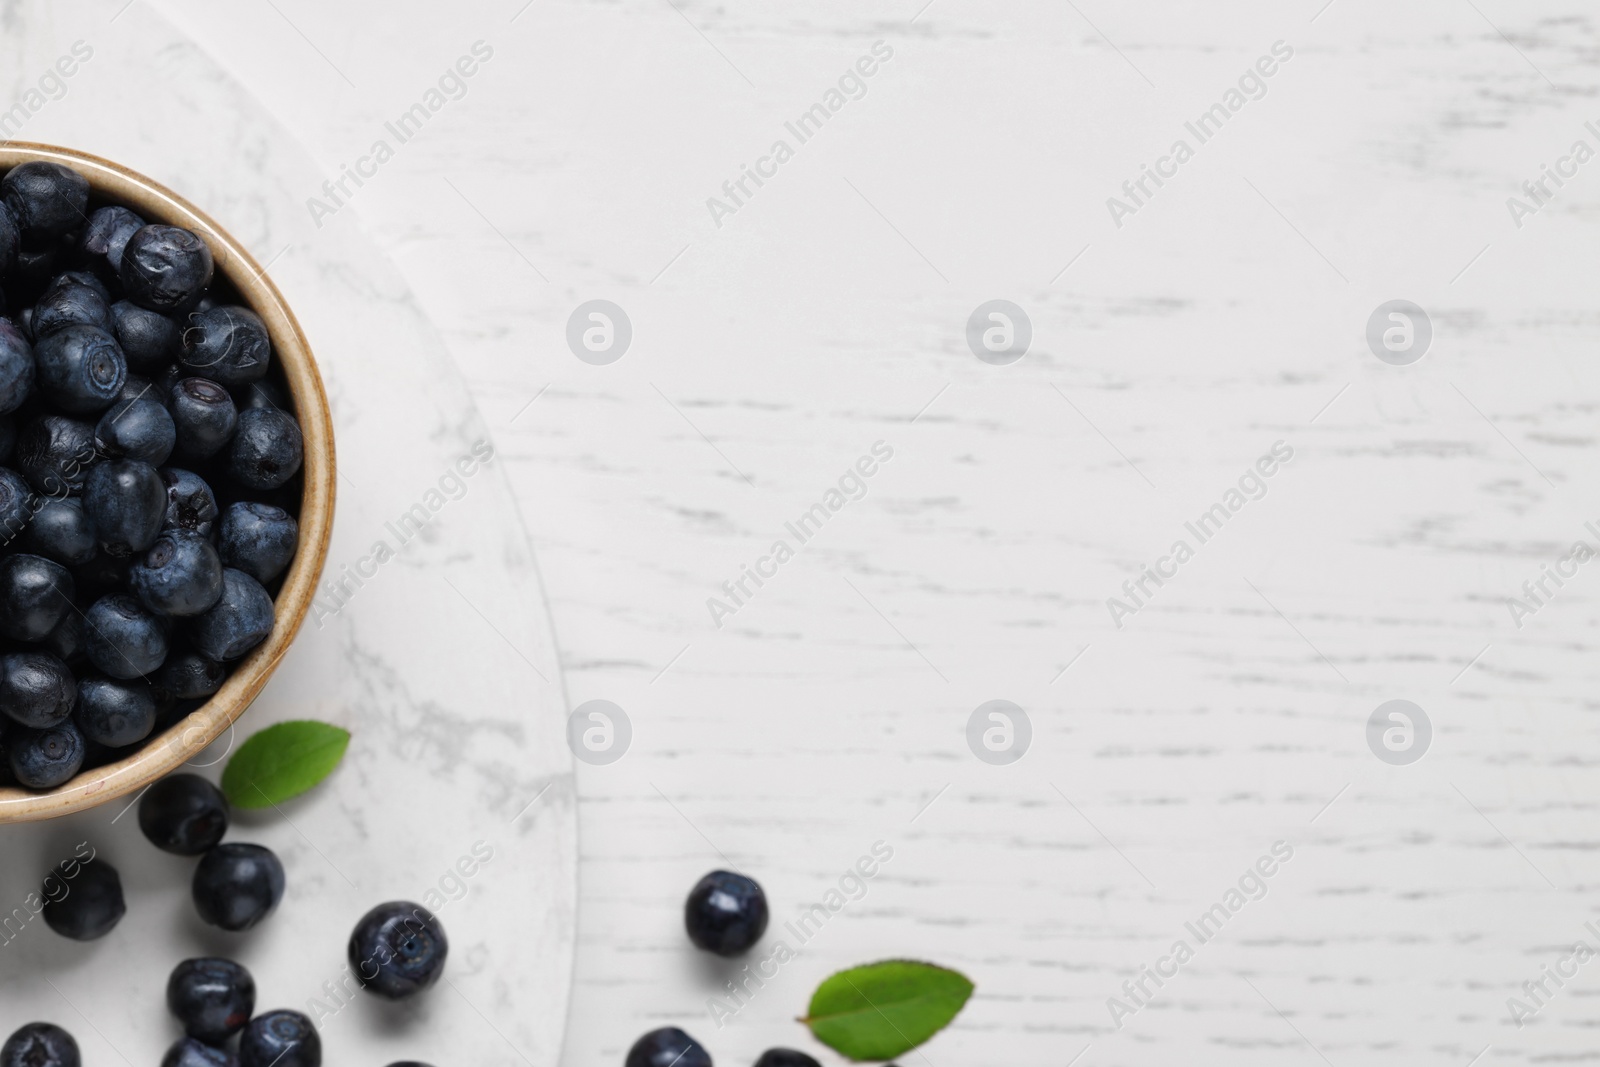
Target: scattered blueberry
<point>279,1039</point>
<point>212,999</point>
<point>785,1057</point>
<point>183,814</point>
<point>668,1047</point>
<point>398,950</point>
<point>40,1045</point>
<point>726,913</point>
<point>92,906</point>
<point>236,886</point>
<point>187,1052</point>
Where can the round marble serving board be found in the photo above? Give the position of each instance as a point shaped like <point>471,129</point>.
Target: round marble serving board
<point>440,661</point>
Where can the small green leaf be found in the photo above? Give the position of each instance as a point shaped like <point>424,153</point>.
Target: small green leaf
<point>878,1011</point>
<point>283,761</point>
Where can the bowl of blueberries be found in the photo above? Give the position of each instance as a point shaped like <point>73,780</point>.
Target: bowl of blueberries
<point>166,481</point>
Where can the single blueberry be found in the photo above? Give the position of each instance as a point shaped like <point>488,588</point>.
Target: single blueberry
<point>180,575</point>
<point>398,950</point>
<point>228,345</point>
<point>267,449</point>
<point>104,239</point>
<point>241,620</point>
<point>258,539</point>
<point>70,304</point>
<point>191,676</point>
<point>48,200</point>
<point>150,340</point>
<point>281,1038</point>
<point>17,368</point>
<point>126,502</point>
<point>205,416</point>
<point>92,905</point>
<point>35,594</point>
<point>236,886</point>
<point>165,268</point>
<point>80,368</point>
<point>123,638</point>
<point>40,1045</point>
<point>60,531</point>
<point>185,815</point>
<point>114,714</point>
<point>785,1057</point>
<point>668,1047</point>
<point>44,759</point>
<point>37,690</point>
<point>18,507</point>
<point>726,913</point>
<point>191,505</point>
<point>136,429</point>
<point>187,1052</point>
<point>55,453</point>
<point>212,999</point>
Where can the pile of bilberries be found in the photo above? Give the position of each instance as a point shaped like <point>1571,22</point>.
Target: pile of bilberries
<point>396,951</point>
<point>149,477</point>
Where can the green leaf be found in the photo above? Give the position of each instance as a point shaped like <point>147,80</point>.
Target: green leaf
<point>878,1011</point>
<point>283,761</point>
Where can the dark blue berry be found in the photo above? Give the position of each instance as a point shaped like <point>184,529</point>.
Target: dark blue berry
<point>123,638</point>
<point>165,268</point>
<point>191,676</point>
<point>126,502</point>
<point>212,999</point>
<point>228,345</point>
<point>668,1047</point>
<point>398,950</point>
<point>92,905</point>
<point>726,913</point>
<point>186,815</point>
<point>48,200</point>
<point>266,450</point>
<point>150,341</point>
<point>258,539</point>
<point>55,453</point>
<point>34,596</point>
<point>104,239</point>
<point>138,429</point>
<point>44,759</point>
<point>113,713</point>
<point>80,368</point>
<point>237,885</point>
<point>191,505</point>
<point>37,690</point>
<point>17,368</point>
<point>180,575</point>
<point>205,416</point>
<point>70,304</point>
<point>785,1057</point>
<point>280,1039</point>
<point>241,620</point>
<point>60,531</point>
<point>40,1045</point>
<point>187,1052</point>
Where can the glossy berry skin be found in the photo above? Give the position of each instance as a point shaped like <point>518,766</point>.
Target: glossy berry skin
<point>70,304</point>
<point>40,1045</point>
<point>17,369</point>
<point>165,268</point>
<point>150,340</point>
<point>212,999</point>
<point>93,905</point>
<point>237,885</point>
<point>37,690</point>
<point>240,621</point>
<point>35,594</point>
<point>138,429</point>
<point>115,714</point>
<point>104,239</point>
<point>80,368</point>
<point>726,913</point>
<point>55,453</point>
<point>191,505</point>
<point>398,950</point>
<point>229,345</point>
<point>205,416</point>
<point>267,450</point>
<point>60,531</point>
<point>123,638</point>
<point>44,759</point>
<point>785,1057</point>
<point>258,539</point>
<point>191,676</point>
<point>281,1038</point>
<point>668,1047</point>
<point>17,505</point>
<point>181,575</point>
<point>187,1052</point>
<point>126,502</point>
<point>48,200</point>
<point>185,815</point>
